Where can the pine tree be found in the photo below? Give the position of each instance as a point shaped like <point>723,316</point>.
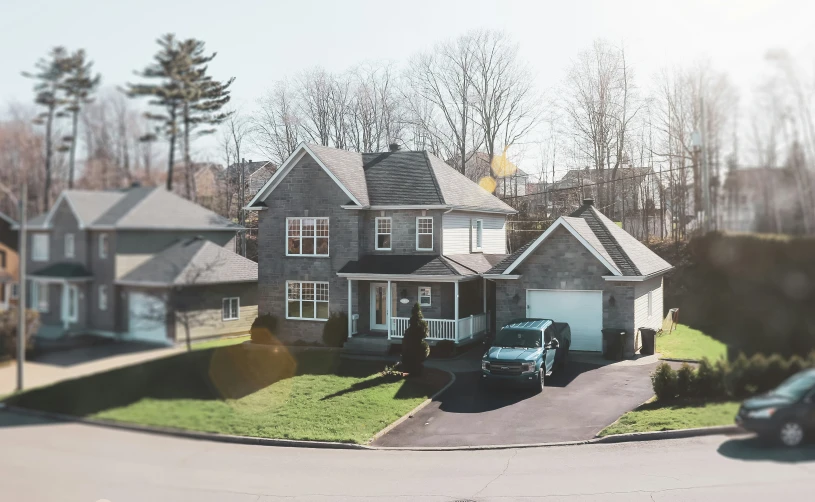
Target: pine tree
<point>49,75</point>
<point>79,84</point>
<point>414,347</point>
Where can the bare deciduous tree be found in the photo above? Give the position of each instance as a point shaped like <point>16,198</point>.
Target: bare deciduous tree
<point>276,126</point>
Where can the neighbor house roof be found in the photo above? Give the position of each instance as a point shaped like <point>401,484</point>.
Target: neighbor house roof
<point>194,261</point>
<point>620,252</point>
<point>401,178</point>
<point>136,208</point>
<point>419,265</point>
<point>249,168</point>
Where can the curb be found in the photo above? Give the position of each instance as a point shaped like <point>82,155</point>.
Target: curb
<point>413,411</point>
<point>675,434</point>
<point>675,360</point>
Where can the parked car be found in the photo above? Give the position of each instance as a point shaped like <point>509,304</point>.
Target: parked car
<point>526,351</point>
<point>786,414</point>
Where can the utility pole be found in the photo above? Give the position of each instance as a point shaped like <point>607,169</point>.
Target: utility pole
<point>21,290</point>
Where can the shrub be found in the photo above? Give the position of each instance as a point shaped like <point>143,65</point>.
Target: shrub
<point>776,371</point>
<point>795,364</point>
<point>736,377</point>
<point>445,348</point>
<point>264,329</point>
<point>685,381</point>
<point>414,347</point>
<point>8,331</point>
<point>335,329</point>
<point>755,373</point>
<point>709,380</point>
<point>664,380</point>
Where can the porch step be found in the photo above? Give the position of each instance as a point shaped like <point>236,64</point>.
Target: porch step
<point>367,345</point>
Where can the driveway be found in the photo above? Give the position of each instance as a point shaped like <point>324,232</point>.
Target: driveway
<point>575,405</point>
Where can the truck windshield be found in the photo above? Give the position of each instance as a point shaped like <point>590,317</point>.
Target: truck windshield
<point>515,338</point>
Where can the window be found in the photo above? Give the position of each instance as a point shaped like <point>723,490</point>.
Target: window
<point>39,296</point>
<point>230,309</point>
<point>424,234</point>
<point>306,236</point>
<point>2,259</point>
<point>425,296</point>
<point>650,304</point>
<point>103,297</point>
<point>479,234</point>
<point>69,245</point>
<point>15,290</point>
<point>103,245</point>
<point>39,247</point>
<point>307,300</point>
<point>383,234</point>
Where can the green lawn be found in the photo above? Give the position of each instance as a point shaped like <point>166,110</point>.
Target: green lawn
<point>219,342</point>
<point>313,395</point>
<point>688,343</point>
<point>656,416</point>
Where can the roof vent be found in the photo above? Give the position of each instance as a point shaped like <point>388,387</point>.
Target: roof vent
<point>394,147</point>
<point>588,202</point>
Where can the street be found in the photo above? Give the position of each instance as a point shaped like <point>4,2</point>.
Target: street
<point>47,461</point>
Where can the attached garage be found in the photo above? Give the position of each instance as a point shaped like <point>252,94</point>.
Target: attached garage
<point>583,310</point>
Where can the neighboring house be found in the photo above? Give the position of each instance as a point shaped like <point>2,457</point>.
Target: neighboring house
<point>256,174</point>
<point>372,234</point>
<point>510,181</point>
<point>116,263</point>
<point>761,199</point>
<point>634,189</point>
<point>587,271</point>
<point>209,187</point>
<point>9,262</point>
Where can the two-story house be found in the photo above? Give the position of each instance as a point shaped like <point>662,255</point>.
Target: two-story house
<point>141,263</point>
<point>371,234</point>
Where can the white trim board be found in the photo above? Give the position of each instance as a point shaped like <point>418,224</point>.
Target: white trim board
<point>561,222</point>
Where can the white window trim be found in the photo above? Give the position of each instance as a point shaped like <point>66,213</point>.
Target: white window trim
<point>40,253</point>
<point>103,245</point>
<point>479,224</point>
<point>102,297</point>
<point>286,306</point>
<point>70,238</point>
<point>377,233</point>
<point>432,229</point>
<point>315,218</point>
<point>429,297</point>
<point>238,302</point>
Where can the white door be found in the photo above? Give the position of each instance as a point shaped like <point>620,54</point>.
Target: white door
<point>70,304</point>
<point>583,310</point>
<point>379,302</point>
<point>147,318</point>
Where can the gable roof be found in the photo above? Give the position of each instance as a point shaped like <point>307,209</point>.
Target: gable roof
<point>194,261</point>
<point>135,208</point>
<point>621,253</point>
<point>401,178</point>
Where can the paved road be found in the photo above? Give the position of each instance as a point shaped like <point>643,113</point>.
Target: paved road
<point>43,461</point>
<point>575,405</point>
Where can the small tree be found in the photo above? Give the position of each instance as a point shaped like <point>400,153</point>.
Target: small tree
<point>414,347</point>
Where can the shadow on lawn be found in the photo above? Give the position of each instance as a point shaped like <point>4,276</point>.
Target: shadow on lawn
<point>221,373</point>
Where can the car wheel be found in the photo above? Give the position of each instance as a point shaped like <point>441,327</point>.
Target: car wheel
<point>791,434</point>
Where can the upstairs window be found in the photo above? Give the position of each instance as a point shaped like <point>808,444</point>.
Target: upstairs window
<point>424,233</point>
<point>70,248</point>
<point>307,236</point>
<point>39,247</point>
<point>103,246</point>
<point>383,234</point>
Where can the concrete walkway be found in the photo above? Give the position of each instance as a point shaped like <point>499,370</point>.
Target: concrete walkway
<point>63,365</point>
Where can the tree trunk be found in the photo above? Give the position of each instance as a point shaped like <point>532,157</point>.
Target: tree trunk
<point>49,124</point>
<point>72,160</point>
<point>188,181</point>
<point>171,155</point>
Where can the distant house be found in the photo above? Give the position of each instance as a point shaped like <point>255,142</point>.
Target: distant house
<point>511,182</point>
<point>9,262</point>
<point>256,174</point>
<point>137,264</point>
<point>209,187</point>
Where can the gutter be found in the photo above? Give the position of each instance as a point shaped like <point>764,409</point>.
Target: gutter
<point>636,278</point>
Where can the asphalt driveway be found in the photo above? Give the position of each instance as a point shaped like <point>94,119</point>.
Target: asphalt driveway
<point>575,405</point>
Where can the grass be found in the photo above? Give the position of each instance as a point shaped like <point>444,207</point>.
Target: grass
<point>219,342</point>
<point>656,416</point>
<point>311,395</point>
<point>688,343</point>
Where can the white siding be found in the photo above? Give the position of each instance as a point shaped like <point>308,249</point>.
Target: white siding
<point>641,317</point>
<point>457,235</point>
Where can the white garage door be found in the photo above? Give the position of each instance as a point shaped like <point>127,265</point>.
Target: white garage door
<point>147,318</point>
<point>583,310</point>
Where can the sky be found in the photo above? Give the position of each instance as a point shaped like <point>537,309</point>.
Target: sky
<point>259,42</point>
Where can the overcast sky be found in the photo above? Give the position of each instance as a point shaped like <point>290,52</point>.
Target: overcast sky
<point>260,41</point>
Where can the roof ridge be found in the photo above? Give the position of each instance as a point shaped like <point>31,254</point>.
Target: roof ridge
<point>443,259</point>
<point>433,177</point>
<point>459,263</point>
<point>619,248</point>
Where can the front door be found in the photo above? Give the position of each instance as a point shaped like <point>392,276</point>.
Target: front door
<point>379,302</point>
<point>70,304</point>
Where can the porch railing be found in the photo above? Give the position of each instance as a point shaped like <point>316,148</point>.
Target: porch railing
<point>444,329</point>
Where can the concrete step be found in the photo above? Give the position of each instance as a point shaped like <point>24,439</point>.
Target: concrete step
<point>367,345</point>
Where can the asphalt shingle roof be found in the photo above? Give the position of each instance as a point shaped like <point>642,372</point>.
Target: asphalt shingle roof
<point>400,178</point>
<point>192,262</point>
<point>504,264</point>
<point>462,193</point>
<point>478,263</point>
<point>64,270</point>
<point>403,265</point>
<point>347,167</point>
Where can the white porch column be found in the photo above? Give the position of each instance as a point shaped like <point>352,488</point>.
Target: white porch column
<point>388,309</point>
<point>350,313</point>
<point>455,300</point>
<point>485,294</point>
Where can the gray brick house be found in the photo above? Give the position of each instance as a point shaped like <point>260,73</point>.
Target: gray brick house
<point>126,263</point>
<point>370,234</point>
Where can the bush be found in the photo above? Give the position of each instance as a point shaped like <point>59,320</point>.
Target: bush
<point>664,380</point>
<point>264,330</point>
<point>8,331</point>
<point>685,381</point>
<point>795,365</point>
<point>445,348</point>
<point>414,347</point>
<point>335,329</point>
<point>709,380</point>
<point>775,372</point>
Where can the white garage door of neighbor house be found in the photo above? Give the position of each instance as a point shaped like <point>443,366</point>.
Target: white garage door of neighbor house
<point>583,310</point>
<point>146,318</point>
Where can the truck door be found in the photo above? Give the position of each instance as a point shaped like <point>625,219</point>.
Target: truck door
<point>550,350</point>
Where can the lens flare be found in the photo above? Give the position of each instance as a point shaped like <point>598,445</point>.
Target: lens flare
<point>487,183</point>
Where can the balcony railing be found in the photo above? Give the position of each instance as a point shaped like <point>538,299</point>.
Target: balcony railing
<point>444,329</point>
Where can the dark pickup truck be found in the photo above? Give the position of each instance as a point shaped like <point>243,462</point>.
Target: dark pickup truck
<point>526,351</point>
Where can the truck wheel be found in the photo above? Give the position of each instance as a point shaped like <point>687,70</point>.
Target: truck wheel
<point>791,434</point>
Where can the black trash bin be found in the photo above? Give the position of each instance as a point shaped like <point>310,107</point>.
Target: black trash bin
<point>613,343</point>
<point>649,342</point>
